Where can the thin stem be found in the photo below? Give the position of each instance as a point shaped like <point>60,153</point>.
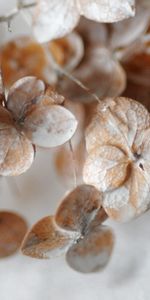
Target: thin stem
<point>68,75</point>
<point>74,163</point>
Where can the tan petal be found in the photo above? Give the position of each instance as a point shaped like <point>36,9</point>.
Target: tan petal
<point>45,240</point>
<point>106,10</point>
<point>100,72</point>
<point>49,125</point>
<point>12,230</point>
<point>92,253</point>
<point>17,153</point>
<point>78,208</point>
<point>53,19</point>
<point>106,168</point>
<point>128,31</point>
<point>23,94</point>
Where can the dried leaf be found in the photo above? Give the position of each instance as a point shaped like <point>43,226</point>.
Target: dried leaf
<point>118,161</point>
<point>93,252</point>
<point>45,240</point>
<point>12,230</point>
<point>77,209</point>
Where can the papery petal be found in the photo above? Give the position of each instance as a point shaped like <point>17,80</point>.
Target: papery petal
<point>128,31</point>
<point>131,199</point>
<point>100,72</point>
<point>106,10</point>
<point>45,240</point>
<point>107,167</point>
<point>12,230</point>
<point>91,253</point>
<point>49,125</point>
<point>78,208</point>
<point>54,19</point>
<point>23,94</point>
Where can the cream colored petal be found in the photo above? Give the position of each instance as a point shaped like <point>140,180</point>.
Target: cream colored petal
<point>45,240</point>
<point>106,10</point>
<point>49,125</point>
<point>23,94</point>
<point>78,208</point>
<point>92,253</point>
<point>53,19</point>
<point>106,168</point>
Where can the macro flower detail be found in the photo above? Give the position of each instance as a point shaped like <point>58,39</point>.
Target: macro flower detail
<point>55,18</point>
<point>118,160</point>
<point>32,115</point>
<point>75,230</point>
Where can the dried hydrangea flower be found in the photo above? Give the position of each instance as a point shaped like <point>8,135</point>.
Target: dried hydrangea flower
<point>20,57</point>
<point>12,231</point>
<point>118,160</point>
<point>55,18</point>
<point>75,230</point>
<point>32,116</point>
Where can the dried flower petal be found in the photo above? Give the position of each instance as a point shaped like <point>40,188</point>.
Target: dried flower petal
<point>117,138</point>
<point>49,125</point>
<point>24,93</point>
<point>93,252</point>
<point>45,240</point>
<point>12,230</point>
<point>76,210</point>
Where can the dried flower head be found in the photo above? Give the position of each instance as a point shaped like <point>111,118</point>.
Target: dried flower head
<point>76,230</point>
<point>32,116</point>
<point>118,161</point>
<point>55,18</point>
<point>20,57</point>
<point>12,231</point>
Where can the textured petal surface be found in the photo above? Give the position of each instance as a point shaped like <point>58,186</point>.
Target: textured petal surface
<point>106,10</point>
<point>78,208</point>
<point>45,240</point>
<point>49,125</point>
<point>91,253</point>
<point>119,161</point>
<point>23,94</point>
<point>54,19</point>
<point>12,230</point>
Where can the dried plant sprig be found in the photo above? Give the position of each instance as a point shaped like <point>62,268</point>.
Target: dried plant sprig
<point>76,229</point>
<point>32,115</point>
<point>118,161</point>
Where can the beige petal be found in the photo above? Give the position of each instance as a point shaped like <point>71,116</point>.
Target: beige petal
<point>16,153</point>
<point>92,253</point>
<point>106,168</point>
<point>45,240</point>
<point>106,10</point>
<point>23,94</point>
<point>49,125</point>
<point>78,208</point>
<point>12,230</point>
<point>100,72</point>
<point>53,19</point>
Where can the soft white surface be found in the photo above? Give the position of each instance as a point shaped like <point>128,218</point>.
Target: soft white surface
<point>22,278</point>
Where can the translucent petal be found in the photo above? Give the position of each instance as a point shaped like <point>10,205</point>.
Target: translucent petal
<point>78,208</point>
<point>23,94</point>
<point>45,240</point>
<point>53,19</point>
<point>92,253</point>
<point>106,10</point>
<point>12,230</point>
<point>49,125</point>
